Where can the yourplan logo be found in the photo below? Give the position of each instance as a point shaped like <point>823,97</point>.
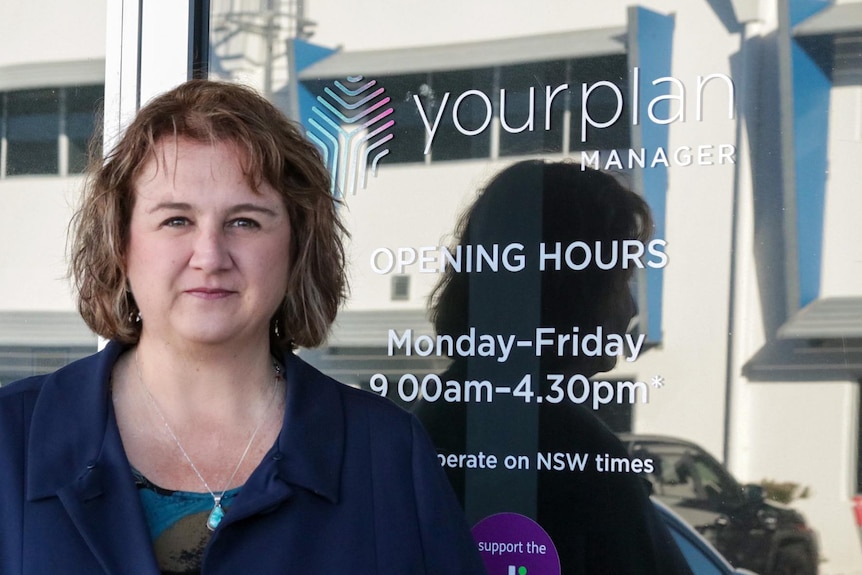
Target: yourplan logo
<point>350,124</point>
<point>351,121</point>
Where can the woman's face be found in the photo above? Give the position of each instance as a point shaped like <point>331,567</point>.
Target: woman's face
<point>208,256</point>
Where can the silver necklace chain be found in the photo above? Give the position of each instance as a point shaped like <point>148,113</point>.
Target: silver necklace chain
<point>217,512</point>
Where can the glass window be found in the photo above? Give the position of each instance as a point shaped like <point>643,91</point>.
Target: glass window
<point>82,107</point>
<point>35,120</point>
<point>690,132</point>
<point>400,288</point>
<point>18,362</point>
<point>32,130</point>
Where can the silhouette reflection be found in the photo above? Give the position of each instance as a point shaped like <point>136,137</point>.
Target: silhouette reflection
<point>560,317</point>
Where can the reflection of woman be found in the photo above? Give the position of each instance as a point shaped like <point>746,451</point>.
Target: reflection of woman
<point>208,246</point>
<point>601,521</point>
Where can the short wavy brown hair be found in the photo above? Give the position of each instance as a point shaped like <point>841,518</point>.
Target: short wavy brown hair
<point>273,150</point>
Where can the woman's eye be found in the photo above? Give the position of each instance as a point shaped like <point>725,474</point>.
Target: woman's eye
<point>243,223</point>
<point>175,222</point>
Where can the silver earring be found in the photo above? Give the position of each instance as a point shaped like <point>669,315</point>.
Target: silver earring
<point>277,328</point>
<point>135,317</point>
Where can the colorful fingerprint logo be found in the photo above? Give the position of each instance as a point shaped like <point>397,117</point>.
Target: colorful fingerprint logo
<point>351,125</point>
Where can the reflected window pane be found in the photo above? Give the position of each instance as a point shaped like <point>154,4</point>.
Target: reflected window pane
<point>523,116</point>
<point>465,130</point>
<point>601,104</point>
<point>409,129</point>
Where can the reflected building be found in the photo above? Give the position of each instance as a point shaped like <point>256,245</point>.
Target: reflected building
<point>725,117</point>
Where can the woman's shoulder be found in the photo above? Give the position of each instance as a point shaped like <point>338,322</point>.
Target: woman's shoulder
<point>24,390</point>
<point>377,404</point>
<point>358,410</point>
<point>351,396</point>
<point>19,398</point>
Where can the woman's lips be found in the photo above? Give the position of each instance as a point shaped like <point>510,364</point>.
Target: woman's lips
<point>210,293</point>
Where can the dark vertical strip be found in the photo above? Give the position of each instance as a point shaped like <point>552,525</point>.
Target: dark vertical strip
<point>788,156</point>
<point>730,351</point>
<point>859,441</point>
<point>3,120</point>
<point>62,134</point>
<point>139,41</point>
<point>199,39</point>
<point>505,303</point>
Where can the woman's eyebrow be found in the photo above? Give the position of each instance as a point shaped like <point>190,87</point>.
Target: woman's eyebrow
<point>252,208</point>
<point>182,206</point>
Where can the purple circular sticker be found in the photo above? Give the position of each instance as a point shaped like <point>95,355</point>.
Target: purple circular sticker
<point>512,544</point>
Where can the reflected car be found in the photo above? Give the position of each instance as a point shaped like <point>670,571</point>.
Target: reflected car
<point>702,558</point>
<point>749,531</point>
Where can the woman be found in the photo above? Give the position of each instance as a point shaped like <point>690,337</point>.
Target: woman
<point>206,248</point>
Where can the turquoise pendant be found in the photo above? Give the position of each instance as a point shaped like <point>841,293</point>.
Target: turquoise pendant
<point>215,516</point>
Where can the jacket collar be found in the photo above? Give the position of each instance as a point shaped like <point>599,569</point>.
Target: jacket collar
<point>73,429</point>
<point>310,448</point>
<point>71,423</point>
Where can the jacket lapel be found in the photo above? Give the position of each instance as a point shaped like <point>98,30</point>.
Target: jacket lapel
<point>105,507</point>
<point>312,440</point>
<point>75,454</point>
<point>309,451</point>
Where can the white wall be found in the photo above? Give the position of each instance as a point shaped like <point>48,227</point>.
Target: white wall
<point>38,31</point>
<point>842,248</point>
<point>34,216</point>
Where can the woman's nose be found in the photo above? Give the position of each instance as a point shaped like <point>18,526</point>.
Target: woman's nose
<point>211,251</point>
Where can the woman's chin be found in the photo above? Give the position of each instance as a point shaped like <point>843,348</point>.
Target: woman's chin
<point>209,335</point>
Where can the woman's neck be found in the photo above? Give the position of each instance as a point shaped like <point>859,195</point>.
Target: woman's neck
<point>223,412</point>
<point>196,384</point>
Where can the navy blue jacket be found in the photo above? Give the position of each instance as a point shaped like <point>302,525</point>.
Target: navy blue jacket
<point>352,485</point>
